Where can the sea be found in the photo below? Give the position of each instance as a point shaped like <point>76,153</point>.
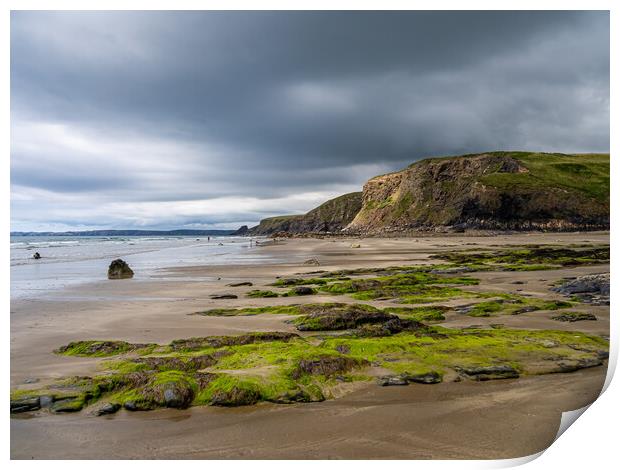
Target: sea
<point>69,261</point>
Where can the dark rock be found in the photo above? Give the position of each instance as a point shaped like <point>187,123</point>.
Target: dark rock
<point>239,284</point>
<point>591,284</point>
<point>293,396</point>
<point>303,290</point>
<point>177,395</point>
<point>223,296</point>
<point>390,380</point>
<point>529,308</point>
<point>243,230</point>
<point>46,401</point>
<point>572,366</point>
<point>108,409</point>
<point>37,255</point>
<point>464,309</point>
<point>235,397</point>
<point>490,372</point>
<point>119,269</point>
<point>574,316</point>
<point>519,282</point>
<point>138,405</point>
<point>291,281</point>
<point>426,378</point>
<point>68,405</point>
<point>593,289</point>
<point>25,404</point>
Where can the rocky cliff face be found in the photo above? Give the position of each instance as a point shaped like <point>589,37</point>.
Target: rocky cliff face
<point>331,216</point>
<point>500,190</point>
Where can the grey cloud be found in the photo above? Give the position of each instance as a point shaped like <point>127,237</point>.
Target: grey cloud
<point>273,104</point>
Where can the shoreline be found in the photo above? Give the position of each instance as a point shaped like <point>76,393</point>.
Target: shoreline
<point>119,310</point>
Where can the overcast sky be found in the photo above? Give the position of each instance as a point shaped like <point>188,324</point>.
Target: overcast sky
<point>218,119</point>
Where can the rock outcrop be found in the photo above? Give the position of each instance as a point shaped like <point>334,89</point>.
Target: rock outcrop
<point>593,289</point>
<point>119,269</point>
<point>243,230</point>
<point>498,191</point>
<point>331,216</point>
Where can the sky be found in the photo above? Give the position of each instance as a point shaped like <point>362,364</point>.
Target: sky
<point>166,120</point>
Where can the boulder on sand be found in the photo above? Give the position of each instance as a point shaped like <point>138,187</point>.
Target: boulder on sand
<point>593,289</point>
<point>590,284</point>
<point>119,269</point>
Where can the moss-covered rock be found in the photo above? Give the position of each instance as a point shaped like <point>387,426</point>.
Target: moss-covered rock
<point>99,348</point>
<point>235,397</point>
<point>259,294</point>
<point>326,366</point>
<point>221,341</point>
<point>342,317</point>
<point>286,368</point>
<point>511,304</point>
<point>300,290</point>
<point>502,371</point>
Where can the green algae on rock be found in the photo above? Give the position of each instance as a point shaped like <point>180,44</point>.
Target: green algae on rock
<point>100,348</point>
<point>416,287</point>
<point>511,304</point>
<point>285,368</point>
<point>257,293</point>
<point>529,257</point>
<point>426,313</point>
<point>231,312</point>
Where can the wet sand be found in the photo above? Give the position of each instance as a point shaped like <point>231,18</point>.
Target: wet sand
<point>500,419</point>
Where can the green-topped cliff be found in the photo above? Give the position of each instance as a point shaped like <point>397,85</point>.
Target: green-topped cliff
<point>494,190</point>
<point>497,190</point>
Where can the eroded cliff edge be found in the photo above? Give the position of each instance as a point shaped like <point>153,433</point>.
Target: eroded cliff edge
<point>488,191</point>
<point>499,191</point>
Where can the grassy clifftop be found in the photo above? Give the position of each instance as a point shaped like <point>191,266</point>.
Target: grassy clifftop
<point>496,190</point>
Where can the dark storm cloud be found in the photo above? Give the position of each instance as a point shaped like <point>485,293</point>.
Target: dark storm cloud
<point>132,111</point>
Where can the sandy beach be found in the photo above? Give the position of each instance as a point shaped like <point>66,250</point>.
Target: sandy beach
<point>498,419</point>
